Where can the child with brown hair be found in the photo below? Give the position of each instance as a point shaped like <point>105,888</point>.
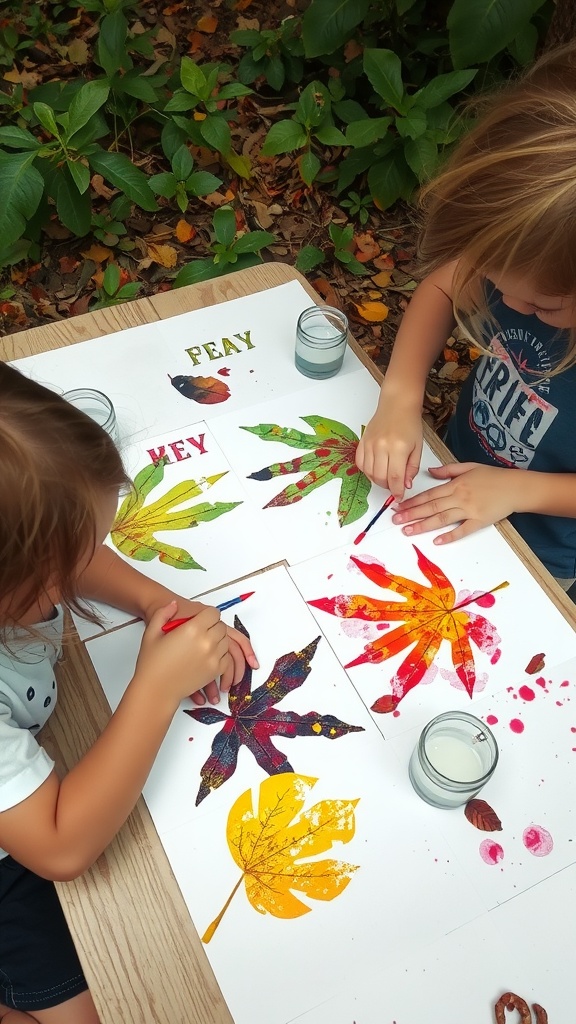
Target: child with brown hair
<point>61,476</point>
<point>499,245</point>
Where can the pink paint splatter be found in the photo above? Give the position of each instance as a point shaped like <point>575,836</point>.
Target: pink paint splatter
<point>541,682</point>
<point>516,725</point>
<point>526,692</point>
<point>565,683</point>
<point>396,714</point>
<point>224,372</point>
<point>485,600</point>
<point>537,841</point>
<point>573,728</point>
<point>491,720</point>
<point>490,851</point>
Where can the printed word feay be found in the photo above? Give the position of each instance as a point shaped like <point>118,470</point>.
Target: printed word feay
<point>175,451</point>
<point>196,352</point>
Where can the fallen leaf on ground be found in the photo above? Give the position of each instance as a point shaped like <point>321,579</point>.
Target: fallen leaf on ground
<point>384,262</point>
<point>97,253</point>
<point>207,23</point>
<point>325,289</point>
<point>78,52</point>
<point>164,255</point>
<point>373,312</point>
<point>367,247</point>
<point>184,231</point>
<point>382,280</point>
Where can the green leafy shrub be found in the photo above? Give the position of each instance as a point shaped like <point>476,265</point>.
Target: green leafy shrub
<point>230,250</point>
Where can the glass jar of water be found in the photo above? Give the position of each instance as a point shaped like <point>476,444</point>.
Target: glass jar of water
<point>97,406</point>
<point>455,756</point>
<point>321,336</point>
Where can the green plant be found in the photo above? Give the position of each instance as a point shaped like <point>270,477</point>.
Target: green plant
<point>182,182</point>
<point>109,227</point>
<point>56,164</point>
<point>202,91</point>
<point>312,123</point>
<point>399,147</point>
<point>274,54</point>
<point>230,250</point>
<point>342,239</point>
<point>113,292</point>
<point>358,206</point>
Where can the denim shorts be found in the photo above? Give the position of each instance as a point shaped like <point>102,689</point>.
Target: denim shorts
<point>39,966</point>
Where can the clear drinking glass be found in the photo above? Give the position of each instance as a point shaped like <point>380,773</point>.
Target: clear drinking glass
<point>454,757</point>
<point>321,335</point>
<point>97,406</point>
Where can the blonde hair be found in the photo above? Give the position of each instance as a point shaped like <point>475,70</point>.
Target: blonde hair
<point>506,199</point>
<point>55,464</point>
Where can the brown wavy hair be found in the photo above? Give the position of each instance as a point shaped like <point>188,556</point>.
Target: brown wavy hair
<point>506,199</point>
<point>55,464</point>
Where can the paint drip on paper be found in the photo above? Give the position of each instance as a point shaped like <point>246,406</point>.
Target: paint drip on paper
<point>430,616</point>
<point>331,456</point>
<point>136,523</point>
<point>269,843</point>
<point>254,720</point>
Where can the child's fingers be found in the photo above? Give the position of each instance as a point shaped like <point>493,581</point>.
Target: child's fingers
<point>245,646</point>
<point>161,616</point>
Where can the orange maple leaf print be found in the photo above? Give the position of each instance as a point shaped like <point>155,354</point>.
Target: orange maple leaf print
<point>429,615</point>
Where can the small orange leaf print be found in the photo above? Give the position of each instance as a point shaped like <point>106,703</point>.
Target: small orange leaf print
<point>268,845</point>
<point>204,390</point>
<point>430,615</point>
<point>536,664</point>
<point>482,816</point>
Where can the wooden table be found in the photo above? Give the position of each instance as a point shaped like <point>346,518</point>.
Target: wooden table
<point>142,956</point>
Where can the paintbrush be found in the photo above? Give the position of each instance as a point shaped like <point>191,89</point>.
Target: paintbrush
<point>174,623</point>
<point>375,519</point>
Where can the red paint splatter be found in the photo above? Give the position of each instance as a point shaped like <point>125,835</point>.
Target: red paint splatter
<point>491,852</point>
<point>190,738</point>
<point>516,725</point>
<point>573,728</point>
<point>559,703</point>
<point>565,683</point>
<point>537,841</point>
<point>541,682</point>
<point>509,689</point>
<point>224,372</point>
<point>491,720</point>
<point>526,692</point>
<point>396,714</point>
<point>495,657</point>
<point>330,575</point>
<point>485,601</point>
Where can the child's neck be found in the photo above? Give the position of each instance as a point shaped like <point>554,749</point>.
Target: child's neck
<point>42,610</point>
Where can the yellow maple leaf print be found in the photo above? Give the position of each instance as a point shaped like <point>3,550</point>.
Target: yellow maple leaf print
<point>268,845</point>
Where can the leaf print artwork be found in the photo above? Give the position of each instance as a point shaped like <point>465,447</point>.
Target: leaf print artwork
<point>136,522</point>
<point>254,720</point>
<point>204,390</point>
<point>331,456</point>
<point>268,845</point>
<point>429,615</point>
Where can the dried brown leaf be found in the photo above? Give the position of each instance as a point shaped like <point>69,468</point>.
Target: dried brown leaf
<point>482,816</point>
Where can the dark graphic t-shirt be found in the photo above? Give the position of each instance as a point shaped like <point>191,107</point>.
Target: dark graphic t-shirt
<point>511,413</point>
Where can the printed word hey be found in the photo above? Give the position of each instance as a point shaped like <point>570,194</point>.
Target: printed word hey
<point>175,451</point>
<point>199,352</point>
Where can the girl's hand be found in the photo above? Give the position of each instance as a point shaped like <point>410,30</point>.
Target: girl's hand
<point>390,448</point>
<point>474,496</point>
<point>240,652</point>
<point>188,658</point>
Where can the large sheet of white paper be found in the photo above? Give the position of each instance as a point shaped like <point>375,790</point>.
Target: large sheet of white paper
<point>449,631</point>
<point>526,947</point>
<point>403,879</point>
<point>243,348</point>
<point>533,790</point>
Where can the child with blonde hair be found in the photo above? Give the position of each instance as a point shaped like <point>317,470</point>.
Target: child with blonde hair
<point>61,475</point>
<point>499,246</point>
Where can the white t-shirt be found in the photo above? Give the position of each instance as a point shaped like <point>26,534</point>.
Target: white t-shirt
<point>28,695</point>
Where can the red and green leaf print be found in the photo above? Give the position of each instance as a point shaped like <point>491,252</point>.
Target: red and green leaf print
<point>253,720</point>
<point>430,616</point>
<point>331,456</point>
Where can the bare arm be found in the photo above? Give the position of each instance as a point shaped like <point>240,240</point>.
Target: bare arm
<point>63,826</point>
<point>390,449</point>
